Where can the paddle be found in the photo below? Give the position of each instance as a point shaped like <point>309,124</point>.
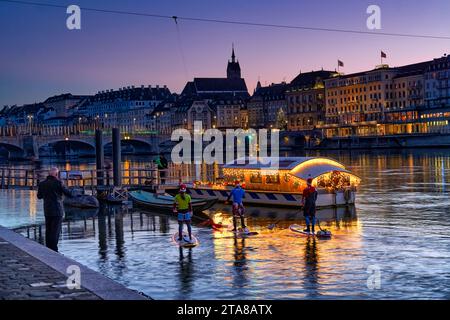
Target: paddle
<point>318,224</point>
<point>210,222</point>
<point>273,225</point>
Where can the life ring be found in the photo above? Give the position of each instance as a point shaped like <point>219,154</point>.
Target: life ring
<point>347,195</point>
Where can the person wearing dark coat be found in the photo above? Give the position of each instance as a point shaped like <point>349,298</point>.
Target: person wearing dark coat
<point>162,164</point>
<point>51,190</point>
<point>309,198</point>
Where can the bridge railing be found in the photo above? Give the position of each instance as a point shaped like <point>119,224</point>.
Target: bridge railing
<point>37,129</point>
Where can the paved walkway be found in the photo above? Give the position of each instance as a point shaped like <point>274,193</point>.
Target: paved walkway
<point>25,277</point>
<point>29,270</point>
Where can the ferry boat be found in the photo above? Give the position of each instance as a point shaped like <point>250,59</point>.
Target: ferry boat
<point>283,185</point>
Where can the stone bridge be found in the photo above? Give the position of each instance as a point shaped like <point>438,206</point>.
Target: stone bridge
<point>32,146</point>
<point>27,146</point>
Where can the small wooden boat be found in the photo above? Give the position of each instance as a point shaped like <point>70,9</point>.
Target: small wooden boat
<point>75,214</point>
<point>164,203</point>
<point>82,201</point>
<point>111,195</point>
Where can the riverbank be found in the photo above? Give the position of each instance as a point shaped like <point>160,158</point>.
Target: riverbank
<point>397,141</point>
<point>29,270</point>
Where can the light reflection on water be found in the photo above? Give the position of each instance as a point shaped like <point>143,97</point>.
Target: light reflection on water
<point>401,224</point>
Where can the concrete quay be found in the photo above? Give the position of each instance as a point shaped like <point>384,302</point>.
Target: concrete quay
<point>30,271</point>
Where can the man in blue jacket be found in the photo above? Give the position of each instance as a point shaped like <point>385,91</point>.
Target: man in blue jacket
<point>238,194</point>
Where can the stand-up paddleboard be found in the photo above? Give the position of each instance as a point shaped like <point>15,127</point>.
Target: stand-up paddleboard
<point>319,234</point>
<point>243,233</point>
<point>185,242</point>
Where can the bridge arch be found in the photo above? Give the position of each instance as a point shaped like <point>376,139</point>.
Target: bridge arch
<point>11,151</point>
<point>66,147</point>
<point>134,146</point>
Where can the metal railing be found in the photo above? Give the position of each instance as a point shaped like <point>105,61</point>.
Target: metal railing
<point>92,179</point>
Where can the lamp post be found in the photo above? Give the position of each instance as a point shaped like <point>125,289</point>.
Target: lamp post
<point>30,120</point>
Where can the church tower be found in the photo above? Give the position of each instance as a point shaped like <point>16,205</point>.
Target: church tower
<point>233,68</point>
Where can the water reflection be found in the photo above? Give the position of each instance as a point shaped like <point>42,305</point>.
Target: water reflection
<point>119,235</point>
<point>311,268</point>
<point>240,278</point>
<point>102,234</point>
<point>402,195</point>
<point>134,247</point>
<point>164,224</point>
<point>186,274</point>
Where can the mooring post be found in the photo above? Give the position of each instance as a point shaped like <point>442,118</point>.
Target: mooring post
<point>26,178</point>
<point>117,170</point>
<point>2,185</point>
<point>100,157</point>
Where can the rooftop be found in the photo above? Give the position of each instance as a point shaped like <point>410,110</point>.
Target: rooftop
<point>133,93</point>
<point>65,96</point>
<point>300,167</point>
<point>215,85</point>
<point>275,91</point>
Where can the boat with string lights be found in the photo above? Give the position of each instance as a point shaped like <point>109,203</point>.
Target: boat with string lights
<point>282,184</point>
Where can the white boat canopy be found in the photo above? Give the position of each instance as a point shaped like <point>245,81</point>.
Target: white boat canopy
<point>300,167</point>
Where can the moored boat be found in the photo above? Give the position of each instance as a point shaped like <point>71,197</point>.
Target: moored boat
<point>82,201</point>
<point>283,184</point>
<point>164,203</point>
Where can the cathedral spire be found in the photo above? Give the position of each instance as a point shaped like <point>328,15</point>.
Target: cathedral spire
<point>233,68</point>
<point>232,53</point>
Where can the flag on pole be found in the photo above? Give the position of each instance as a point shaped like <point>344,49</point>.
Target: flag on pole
<point>383,55</point>
<point>340,63</point>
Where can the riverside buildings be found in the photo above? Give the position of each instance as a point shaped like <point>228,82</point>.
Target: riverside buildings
<point>411,99</point>
<point>306,100</point>
<point>127,108</point>
<point>267,108</point>
<point>407,100</point>
<point>219,102</point>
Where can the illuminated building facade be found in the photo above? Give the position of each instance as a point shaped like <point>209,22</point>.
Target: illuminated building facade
<point>267,108</point>
<point>388,101</point>
<point>306,100</point>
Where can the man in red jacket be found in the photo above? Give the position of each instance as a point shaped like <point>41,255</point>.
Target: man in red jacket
<point>309,198</point>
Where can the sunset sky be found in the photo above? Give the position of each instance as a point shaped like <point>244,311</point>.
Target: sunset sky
<point>40,57</point>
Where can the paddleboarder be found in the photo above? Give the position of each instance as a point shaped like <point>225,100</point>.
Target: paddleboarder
<point>238,194</point>
<point>183,206</point>
<point>309,198</point>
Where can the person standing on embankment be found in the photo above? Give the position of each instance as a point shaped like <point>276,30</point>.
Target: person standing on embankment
<point>51,190</point>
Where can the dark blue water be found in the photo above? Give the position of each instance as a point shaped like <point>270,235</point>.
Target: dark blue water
<point>399,228</point>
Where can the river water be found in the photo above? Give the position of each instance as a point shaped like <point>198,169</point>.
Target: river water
<point>398,233</point>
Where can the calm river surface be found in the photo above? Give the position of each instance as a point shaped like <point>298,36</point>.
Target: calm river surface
<point>400,226</point>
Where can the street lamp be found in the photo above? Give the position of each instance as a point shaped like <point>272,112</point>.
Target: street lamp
<point>30,119</point>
